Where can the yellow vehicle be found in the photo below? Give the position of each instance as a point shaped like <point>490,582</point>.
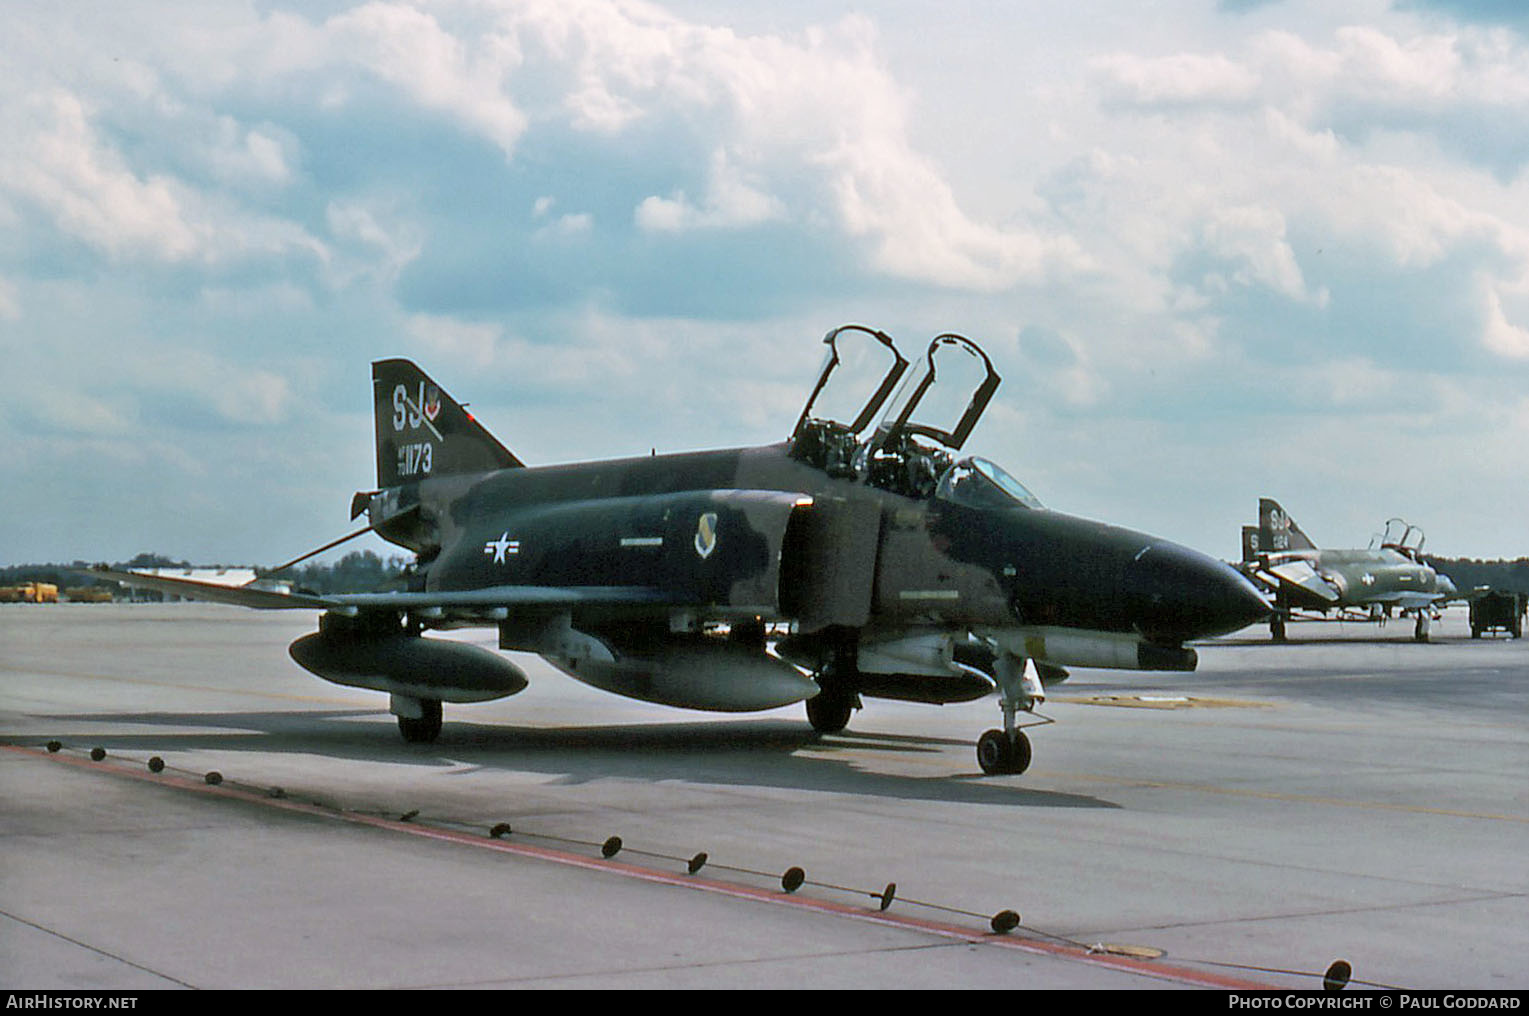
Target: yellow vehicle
<point>29,592</point>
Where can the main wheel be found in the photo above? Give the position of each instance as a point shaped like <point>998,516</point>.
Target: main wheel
<point>1000,755</point>
<point>829,711</point>
<point>1420,630</point>
<point>425,729</point>
<point>1277,627</point>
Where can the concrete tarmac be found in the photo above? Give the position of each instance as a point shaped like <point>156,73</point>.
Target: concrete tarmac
<point>1350,795</point>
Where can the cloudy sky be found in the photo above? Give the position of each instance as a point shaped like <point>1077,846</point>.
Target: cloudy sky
<point>1218,248</point>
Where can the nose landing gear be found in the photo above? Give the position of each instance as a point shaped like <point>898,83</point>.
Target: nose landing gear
<point>1003,754</point>
<point>1007,752</point>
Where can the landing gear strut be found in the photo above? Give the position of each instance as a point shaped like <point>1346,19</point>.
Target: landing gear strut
<point>1007,751</point>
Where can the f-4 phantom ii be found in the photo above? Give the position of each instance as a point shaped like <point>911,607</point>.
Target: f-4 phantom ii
<point>1374,582</point>
<point>850,561</point>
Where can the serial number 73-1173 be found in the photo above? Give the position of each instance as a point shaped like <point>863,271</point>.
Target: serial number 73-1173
<point>414,459</point>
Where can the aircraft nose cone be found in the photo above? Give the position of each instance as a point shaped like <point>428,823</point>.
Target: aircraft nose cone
<point>1179,594</point>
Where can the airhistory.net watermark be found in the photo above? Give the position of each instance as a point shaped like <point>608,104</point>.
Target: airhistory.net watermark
<point>49,1001</point>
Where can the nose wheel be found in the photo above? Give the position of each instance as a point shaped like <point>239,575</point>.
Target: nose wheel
<point>1001,754</point>
<point>1006,752</point>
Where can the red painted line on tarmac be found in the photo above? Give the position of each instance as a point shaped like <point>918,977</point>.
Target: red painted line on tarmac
<point>1124,964</point>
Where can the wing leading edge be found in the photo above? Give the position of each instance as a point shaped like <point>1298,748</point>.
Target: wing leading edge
<point>475,599</point>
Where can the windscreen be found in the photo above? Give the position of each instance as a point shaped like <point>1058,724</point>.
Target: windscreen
<point>978,483</point>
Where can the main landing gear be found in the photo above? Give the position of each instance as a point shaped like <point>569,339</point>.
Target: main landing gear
<point>419,720</point>
<point>1003,752</point>
<point>830,709</point>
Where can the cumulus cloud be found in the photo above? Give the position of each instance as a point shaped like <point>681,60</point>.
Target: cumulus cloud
<point>84,186</point>
<point>458,75</point>
<point>809,128</point>
<point>1501,335</point>
<point>730,201</point>
<point>60,164</point>
<point>473,343</point>
<point>1351,148</point>
<point>1149,225</point>
<point>1181,79</point>
<point>1253,238</point>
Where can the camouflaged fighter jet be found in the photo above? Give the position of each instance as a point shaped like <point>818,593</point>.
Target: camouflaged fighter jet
<point>850,561</point>
<point>1369,584</point>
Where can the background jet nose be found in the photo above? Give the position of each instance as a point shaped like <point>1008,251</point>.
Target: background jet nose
<point>1178,594</point>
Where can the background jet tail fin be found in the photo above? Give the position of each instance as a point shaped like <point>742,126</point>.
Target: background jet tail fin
<point>1277,531</point>
<point>423,432</point>
<point>1251,545</point>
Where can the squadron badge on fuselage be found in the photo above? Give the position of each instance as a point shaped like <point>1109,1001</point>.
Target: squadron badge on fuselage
<point>706,535</point>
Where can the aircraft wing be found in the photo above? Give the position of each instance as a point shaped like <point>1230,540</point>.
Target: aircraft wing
<point>213,592</point>
<point>514,596</point>
<point>1304,577</point>
<point>474,599</point>
<point>1414,600</point>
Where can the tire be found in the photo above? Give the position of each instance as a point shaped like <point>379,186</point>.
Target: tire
<point>425,729</point>
<point>1000,756</point>
<point>829,712</point>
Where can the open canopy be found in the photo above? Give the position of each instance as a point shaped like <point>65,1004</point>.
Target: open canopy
<point>1402,537</point>
<point>860,369</point>
<point>944,397</point>
<point>934,411</point>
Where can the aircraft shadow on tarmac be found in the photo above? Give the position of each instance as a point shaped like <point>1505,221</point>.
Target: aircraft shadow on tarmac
<point>1336,639</point>
<point>758,753</point>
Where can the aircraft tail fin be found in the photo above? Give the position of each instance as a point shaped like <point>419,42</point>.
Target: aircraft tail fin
<point>1277,531</point>
<point>423,432</point>
<point>1250,543</point>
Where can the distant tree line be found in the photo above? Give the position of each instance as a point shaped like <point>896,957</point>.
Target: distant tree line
<point>1468,573</point>
<point>361,571</point>
<point>65,575</point>
<point>358,572</point>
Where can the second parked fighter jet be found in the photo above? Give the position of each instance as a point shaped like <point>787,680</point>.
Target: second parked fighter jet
<point>1390,576</point>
